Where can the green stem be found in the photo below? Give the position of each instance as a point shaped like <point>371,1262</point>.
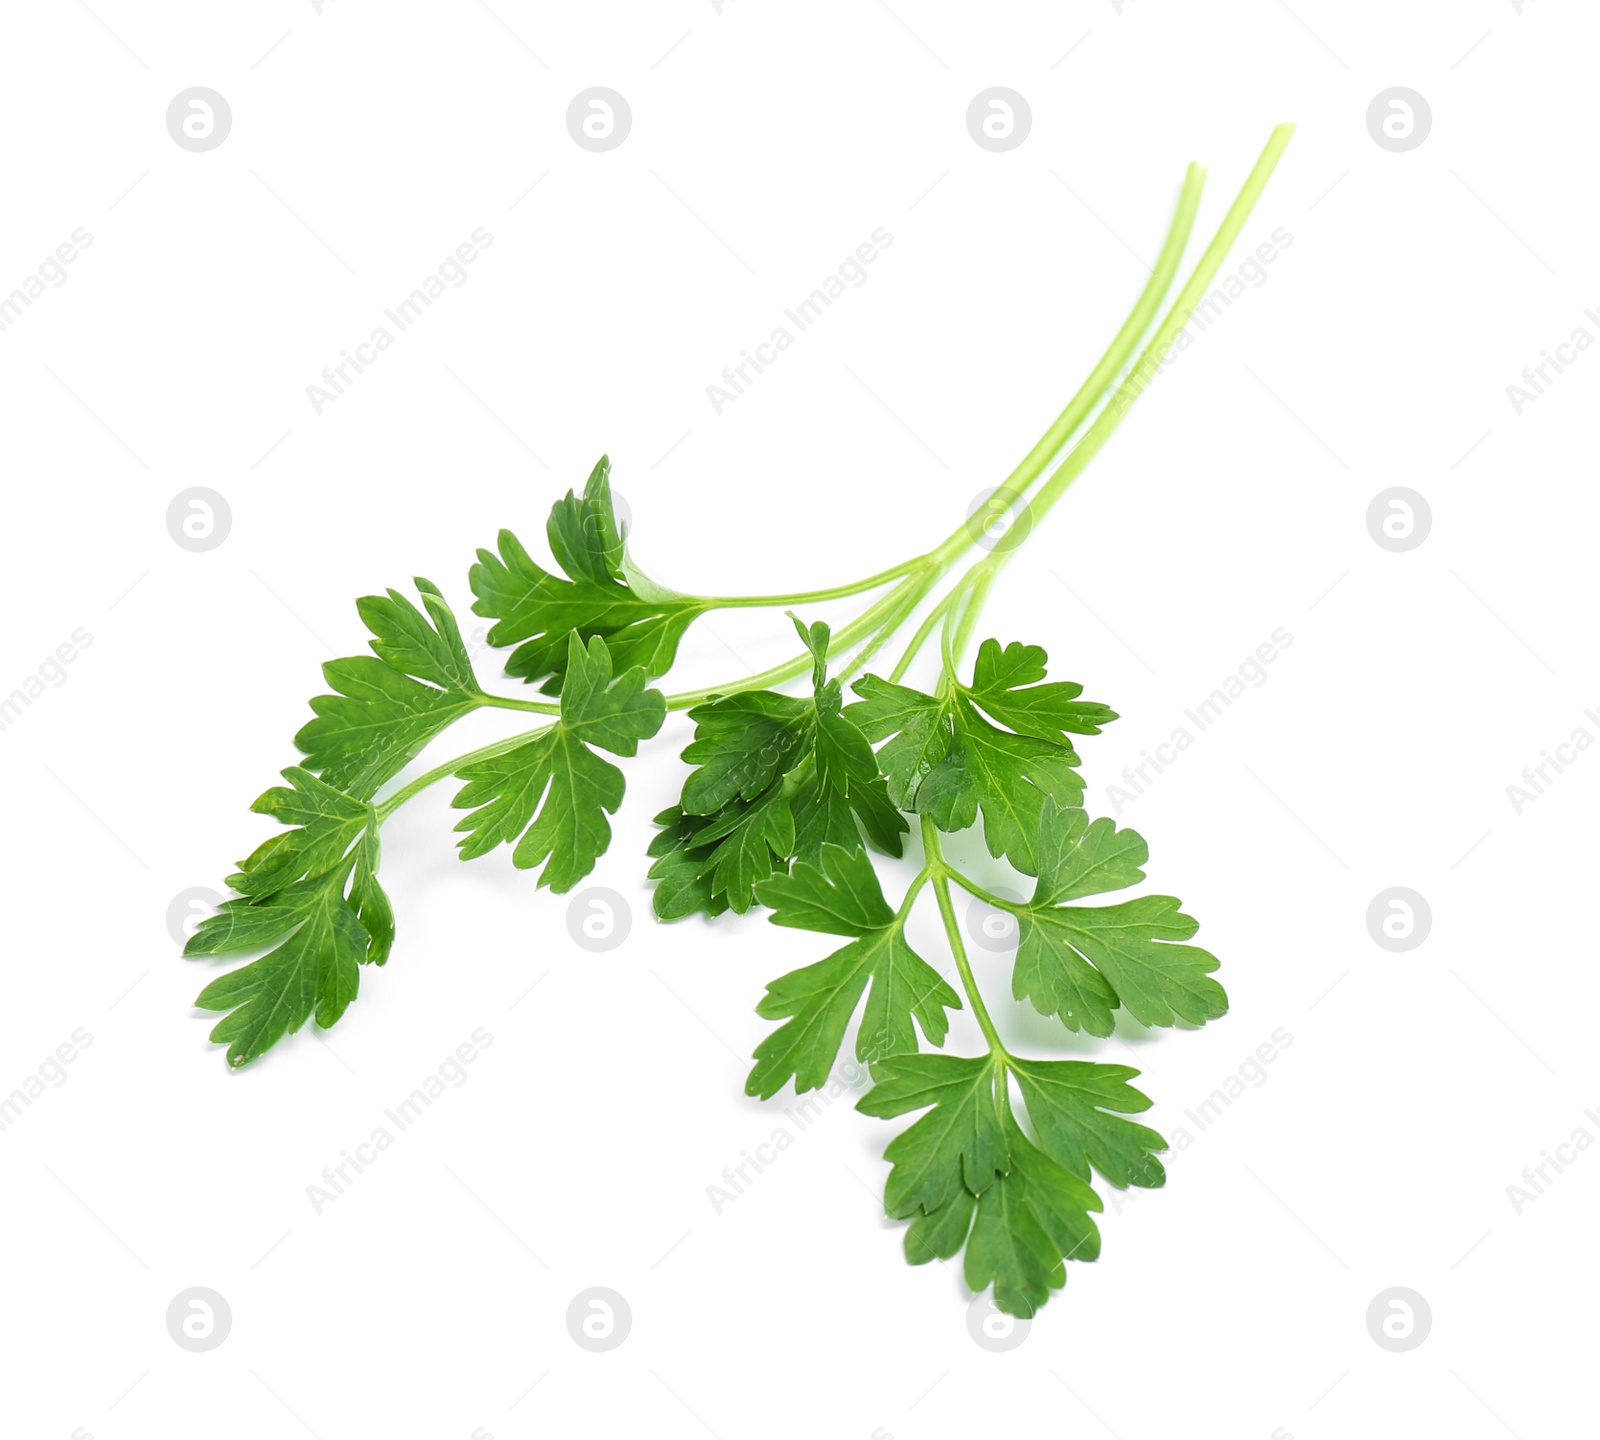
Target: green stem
<point>812,597</point>
<point>921,637</point>
<point>977,592</point>
<point>1033,464</point>
<point>507,702</point>
<point>939,560</point>
<point>973,888</point>
<point>451,767</point>
<point>923,876</point>
<point>959,621</point>
<point>947,633</point>
<point>903,598</point>
<point>940,874</point>
<point>880,638</point>
<point>1166,333</point>
<point>884,634</point>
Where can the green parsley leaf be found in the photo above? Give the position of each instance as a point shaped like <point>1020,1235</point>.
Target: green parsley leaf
<point>847,768</point>
<point>1079,856</point>
<point>313,970</point>
<point>1005,683</point>
<point>550,796</point>
<point>326,823</point>
<point>1028,1224</point>
<point>1077,1109</point>
<point>960,1143</point>
<point>369,899</point>
<point>388,708</point>
<point>841,896</point>
<point>583,531</point>
<point>1082,962</point>
<point>965,1174</point>
<point>640,621</point>
<point>822,816</point>
<point>945,758</point>
<point>685,882</point>
<point>918,727</point>
<point>1007,776</point>
<point>292,896</point>
<point>742,744</point>
<point>775,779</point>
<point>713,862</point>
<point>815,637</point>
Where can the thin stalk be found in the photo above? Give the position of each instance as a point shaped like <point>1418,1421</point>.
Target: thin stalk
<point>973,888</point>
<point>888,630</point>
<point>972,588</point>
<point>1121,401</point>
<point>940,874</point>
<point>450,767</point>
<point>915,888</point>
<point>977,592</point>
<point>812,597</point>
<point>947,636</point>
<point>507,702</point>
<point>939,560</point>
<point>1033,464</point>
<point>934,616</point>
<point>880,638</point>
<point>904,597</point>
<point>1166,333</point>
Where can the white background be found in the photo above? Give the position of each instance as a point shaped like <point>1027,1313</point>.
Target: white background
<point>767,142</point>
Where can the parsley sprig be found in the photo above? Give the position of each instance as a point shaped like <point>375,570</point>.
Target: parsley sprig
<point>788,796</point>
